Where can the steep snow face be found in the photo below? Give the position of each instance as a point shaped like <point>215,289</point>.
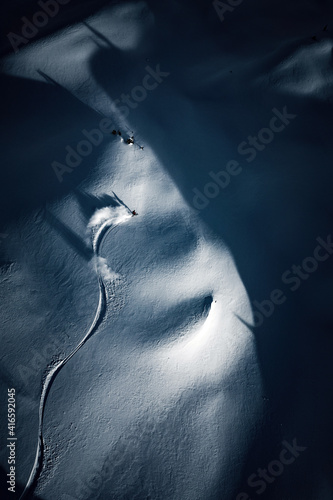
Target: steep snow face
<point>170,361</point>
<point>170,388</point>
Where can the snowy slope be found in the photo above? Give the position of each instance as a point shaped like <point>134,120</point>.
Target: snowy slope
<point>170,355</point>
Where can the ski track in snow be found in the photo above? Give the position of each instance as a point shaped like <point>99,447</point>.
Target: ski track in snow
<point>98,239</point>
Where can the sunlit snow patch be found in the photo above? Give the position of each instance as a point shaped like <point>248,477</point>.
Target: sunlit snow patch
<point>307,71</point>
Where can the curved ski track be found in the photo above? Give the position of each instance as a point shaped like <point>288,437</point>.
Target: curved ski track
<point>38,463</point>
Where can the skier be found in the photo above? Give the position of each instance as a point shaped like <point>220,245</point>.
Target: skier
<point>134,212</point>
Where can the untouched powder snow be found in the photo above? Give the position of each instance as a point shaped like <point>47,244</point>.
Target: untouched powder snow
<point>184,353</point>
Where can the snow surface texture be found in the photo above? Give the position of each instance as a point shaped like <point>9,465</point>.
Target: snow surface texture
<point>175,354</point>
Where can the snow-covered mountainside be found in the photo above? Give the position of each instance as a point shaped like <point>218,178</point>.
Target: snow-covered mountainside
<point>166,250</point>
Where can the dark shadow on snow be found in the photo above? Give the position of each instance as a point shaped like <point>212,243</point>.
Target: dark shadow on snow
<point>40,119</point>
<point>275,195</point>
<point>90,203</point>
<point>269,217</point>
<point>74,240</point>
